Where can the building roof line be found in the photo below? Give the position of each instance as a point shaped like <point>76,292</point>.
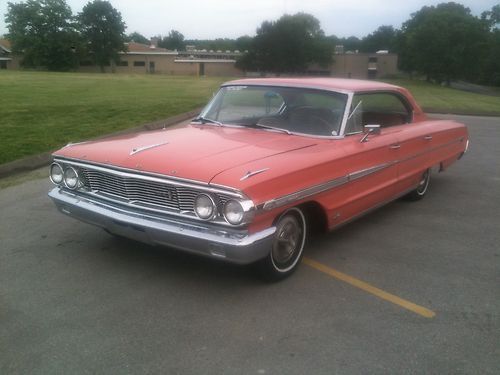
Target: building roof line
<point>149,53</point>
<point>204,60</point>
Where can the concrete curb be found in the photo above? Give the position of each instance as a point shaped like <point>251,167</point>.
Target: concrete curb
<point>36,161</point>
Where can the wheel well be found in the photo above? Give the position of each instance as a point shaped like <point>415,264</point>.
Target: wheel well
<point>315,217</point>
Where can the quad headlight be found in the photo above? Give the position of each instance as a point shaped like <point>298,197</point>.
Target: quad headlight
<point>233,212</point>
<point>204,207</point>
<point>56,174</point>
<point>71,178</point>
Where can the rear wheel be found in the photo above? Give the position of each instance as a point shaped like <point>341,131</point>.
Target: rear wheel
<point>422,187</point>
<point>287,247</point>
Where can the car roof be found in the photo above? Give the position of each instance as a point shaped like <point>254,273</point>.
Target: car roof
<point>334,84</point>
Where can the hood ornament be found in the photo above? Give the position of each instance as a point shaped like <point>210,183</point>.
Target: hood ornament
<point>143,148</point>
<point>252,173</point>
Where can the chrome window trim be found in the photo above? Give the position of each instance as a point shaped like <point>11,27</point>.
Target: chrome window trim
<point>347,111</point>
<point>340,135</point>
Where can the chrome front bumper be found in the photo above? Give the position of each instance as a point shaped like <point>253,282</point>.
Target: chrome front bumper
<point>227,244</point>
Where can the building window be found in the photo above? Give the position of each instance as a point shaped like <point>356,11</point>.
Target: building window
<point>123,63</point>
<point>372,59</point>
<point>139,63</point>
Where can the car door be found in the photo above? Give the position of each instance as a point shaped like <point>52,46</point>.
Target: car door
<point>411,141</point>
<point>372,163</point>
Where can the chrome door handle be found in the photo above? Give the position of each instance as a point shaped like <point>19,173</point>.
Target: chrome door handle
<point>394,147</point>
<point>428,137</point>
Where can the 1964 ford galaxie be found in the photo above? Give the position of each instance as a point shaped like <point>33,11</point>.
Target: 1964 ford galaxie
<point>265,161</point>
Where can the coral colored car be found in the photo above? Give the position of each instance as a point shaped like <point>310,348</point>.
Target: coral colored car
<point>265,161</point>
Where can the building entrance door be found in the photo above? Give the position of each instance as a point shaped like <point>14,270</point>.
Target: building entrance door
<point>151,67</point>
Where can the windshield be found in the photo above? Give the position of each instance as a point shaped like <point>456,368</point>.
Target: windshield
<point>292,110</point>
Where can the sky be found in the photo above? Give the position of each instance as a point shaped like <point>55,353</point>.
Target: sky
<point>210,19</point>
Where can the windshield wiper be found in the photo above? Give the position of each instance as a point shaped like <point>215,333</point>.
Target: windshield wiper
<point>205,120</point>
<point>273,128</point>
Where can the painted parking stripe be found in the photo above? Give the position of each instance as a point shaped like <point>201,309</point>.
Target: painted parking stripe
<point>369,288</point>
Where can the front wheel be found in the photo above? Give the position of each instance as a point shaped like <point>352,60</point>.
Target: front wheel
<point>287,247</point>
<point>422,187</point>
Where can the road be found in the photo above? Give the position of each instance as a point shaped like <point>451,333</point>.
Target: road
<point>76,300</point>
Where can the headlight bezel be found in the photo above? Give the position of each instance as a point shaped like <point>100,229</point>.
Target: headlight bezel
<point>211,200</point>
<point>241,214</point>
<point>56,165</point>
<point>70,169</point>
<point>247,212</point>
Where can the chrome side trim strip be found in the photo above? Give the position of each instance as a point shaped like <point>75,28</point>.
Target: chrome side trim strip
<point>273,203</point>
<point>316,189</point>
<point>365,172</point>
<point>418,154</point>
<point>371,209</point>
<point>320,188</point>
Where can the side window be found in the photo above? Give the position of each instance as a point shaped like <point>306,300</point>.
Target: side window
<point>382,109</point>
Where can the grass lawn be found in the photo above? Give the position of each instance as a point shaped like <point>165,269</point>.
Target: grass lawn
<point>41,111</point>
<point>435,98</point>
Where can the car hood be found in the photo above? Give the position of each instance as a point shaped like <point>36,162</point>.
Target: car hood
<point>192,152</point>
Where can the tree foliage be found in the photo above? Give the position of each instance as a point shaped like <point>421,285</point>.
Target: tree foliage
<point>443,42</point>
<point>384,38</point>
<point>289,44</point>
<point>173,41</point>
<point>241,43</point>
<point>490,72</point>
<point>103,29</point>
<point>44,33</point>
<point>137,37</point>
<point>492,17</point>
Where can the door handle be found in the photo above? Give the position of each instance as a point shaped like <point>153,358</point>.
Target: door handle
<point>394,146</point>
<point>428,137</point>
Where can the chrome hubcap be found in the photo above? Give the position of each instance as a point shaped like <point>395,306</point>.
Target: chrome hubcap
<point>288,240</point>
<point>424,182</point>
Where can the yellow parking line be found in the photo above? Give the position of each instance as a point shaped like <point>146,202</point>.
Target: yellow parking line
<point>369,288</point>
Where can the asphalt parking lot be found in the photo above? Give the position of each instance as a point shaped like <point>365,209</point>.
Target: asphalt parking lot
<point>74,299</point>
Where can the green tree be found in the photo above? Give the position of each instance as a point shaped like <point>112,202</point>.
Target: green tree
<point>443,42</point>
<point>243,43</point>
<point>289,44</point>
<point>384,38</point>
<point>43,32</point>
<point>490,72</point>
<point>173,41</point>
<point>103,30</point>
<point>137,37</point>
<point>492,17</point>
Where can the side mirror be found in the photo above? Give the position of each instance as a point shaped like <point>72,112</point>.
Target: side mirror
<point>369,129</point>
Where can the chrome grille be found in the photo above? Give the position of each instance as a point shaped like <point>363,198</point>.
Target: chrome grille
<point>141,192</point>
